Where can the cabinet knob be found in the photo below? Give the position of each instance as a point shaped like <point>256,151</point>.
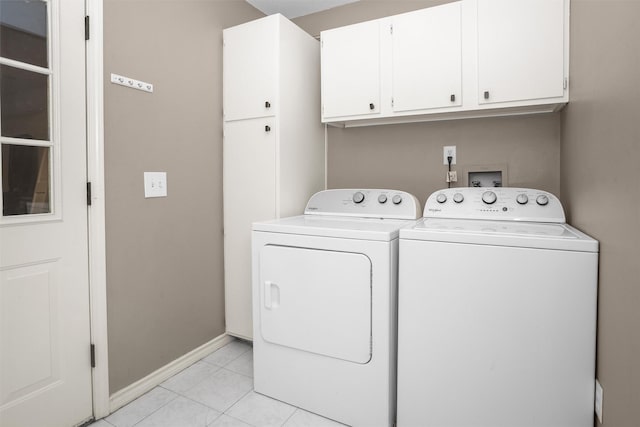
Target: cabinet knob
<point>486,94</point>
<point>267,128</point>
<point>453,97</point>
<point>267,104</point>
<point>372,106</point>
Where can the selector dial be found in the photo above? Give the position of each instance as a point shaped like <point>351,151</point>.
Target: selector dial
<point>358,197</point>
<point>382,198</point>
<point>489,197</point>
<point>441,198</point>
<point>458,197</point>
<point>397,199</point>
<point>522,199</point>
<point>542,200</point>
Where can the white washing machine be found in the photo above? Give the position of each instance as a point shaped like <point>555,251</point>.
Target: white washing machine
<point>497,313</point>
<point>324,304</point>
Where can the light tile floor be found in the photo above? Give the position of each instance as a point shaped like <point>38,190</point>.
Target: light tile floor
<point>217,391</point>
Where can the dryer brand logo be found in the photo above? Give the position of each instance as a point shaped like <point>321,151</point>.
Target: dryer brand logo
<point>312,208</point>
<point>434,210</point>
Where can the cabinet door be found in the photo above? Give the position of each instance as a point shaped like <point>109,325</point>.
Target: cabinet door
<point>249,188</point>
<point>427,58</point>
<point>351,70</point>
<point>250,58</point>
<point>520,50</point>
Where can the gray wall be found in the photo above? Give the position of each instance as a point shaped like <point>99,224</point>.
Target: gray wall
<point>600,182</point>
<point>165,291</point>
<point>409,156</point>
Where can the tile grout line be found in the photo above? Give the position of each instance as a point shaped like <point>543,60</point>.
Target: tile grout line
<point>153,412</point>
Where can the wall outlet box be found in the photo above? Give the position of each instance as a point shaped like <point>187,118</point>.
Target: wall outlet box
<point>598,403</point>
<point>447,151</point>
<point>155,184</point>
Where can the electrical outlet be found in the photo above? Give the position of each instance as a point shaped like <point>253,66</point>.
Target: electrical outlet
<point>155,184</point>
<point>449,150</point>
<point>452,176</point>
<point>599,393</point>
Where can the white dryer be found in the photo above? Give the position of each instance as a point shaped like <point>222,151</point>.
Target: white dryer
<point>497,313</point>
<point>324,304</point>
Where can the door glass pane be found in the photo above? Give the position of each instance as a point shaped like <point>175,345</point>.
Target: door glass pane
<point>24,97</point>
<point>25,180</point>
<point>23,31</point>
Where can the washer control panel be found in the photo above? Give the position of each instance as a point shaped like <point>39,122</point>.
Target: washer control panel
<point>499,203</point>
<point>365,203</point>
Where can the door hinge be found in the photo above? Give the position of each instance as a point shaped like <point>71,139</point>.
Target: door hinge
<point>93,355</point>
<point>565,84</point>
<point>86,27</point>
<point>391,28</point>
<point>88,194</point>
<point>392,101</point>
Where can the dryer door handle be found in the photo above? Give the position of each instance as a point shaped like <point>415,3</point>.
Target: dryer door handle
<point>271,295</point>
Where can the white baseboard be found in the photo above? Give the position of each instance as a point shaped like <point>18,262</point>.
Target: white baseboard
<point>140,387</point>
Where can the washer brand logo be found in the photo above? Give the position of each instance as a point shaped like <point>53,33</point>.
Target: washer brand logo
<point>435,210</point>
<point>311,208</point>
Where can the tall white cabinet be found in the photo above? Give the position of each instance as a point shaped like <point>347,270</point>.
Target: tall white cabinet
<point>273,151</point>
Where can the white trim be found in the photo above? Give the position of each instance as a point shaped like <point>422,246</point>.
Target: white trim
<point>96,218</point>
<point>137,389</point>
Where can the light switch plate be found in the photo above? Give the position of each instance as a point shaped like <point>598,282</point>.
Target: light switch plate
<point>155,184</point>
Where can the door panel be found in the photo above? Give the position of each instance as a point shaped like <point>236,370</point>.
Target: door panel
<point>351,70</point>
<point>45,369</point>
<point>317,301</point>
<point>250,70</point>
<point>520,50</point>
<point>427,59</point>
<point>249,169</point>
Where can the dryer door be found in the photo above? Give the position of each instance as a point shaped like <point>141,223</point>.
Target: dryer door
<point>317,301</point>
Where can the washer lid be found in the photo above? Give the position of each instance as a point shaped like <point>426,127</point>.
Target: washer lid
<point>501,233</point>
<point>334,226</point>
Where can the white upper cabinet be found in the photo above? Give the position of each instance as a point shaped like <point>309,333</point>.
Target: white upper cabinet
<point>250,67</point>
<point>427,58</point>
<point>520,50</point>
<point>351,70</point>
<point>464,59</point>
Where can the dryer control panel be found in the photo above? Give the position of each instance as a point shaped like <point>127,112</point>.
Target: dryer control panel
<point>495,203</point>
<point>364,203</point>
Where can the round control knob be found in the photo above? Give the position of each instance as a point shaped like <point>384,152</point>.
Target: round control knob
<point>489,197</point>
<point>542,200</point>
<point>382,198</point>
<point>358,197</point>
<point>522,199</point>
<point>458,197</point>
<point>441,198</point>
<point>397,199</point>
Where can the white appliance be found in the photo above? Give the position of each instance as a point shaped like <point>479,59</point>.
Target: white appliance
<point>497,313</point>
<point>324,304</point>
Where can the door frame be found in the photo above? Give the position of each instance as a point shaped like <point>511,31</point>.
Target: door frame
<point>96,213</point>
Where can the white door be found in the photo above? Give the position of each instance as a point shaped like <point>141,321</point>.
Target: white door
<point>427,58</point>
<point>249,188</point>
<point>45,372</point>
<point>351,70</point>
<point>520,50</point>
<point>317,301</point>
<point>250,58</point>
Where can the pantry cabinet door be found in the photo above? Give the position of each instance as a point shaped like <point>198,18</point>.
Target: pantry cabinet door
<point>520,50</point>
<point>427,58</point>
<point>351,70</point>
<point>250,67</point>
<point>249,195</point>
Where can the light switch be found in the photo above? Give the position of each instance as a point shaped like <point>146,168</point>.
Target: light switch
<point>155,184</point>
